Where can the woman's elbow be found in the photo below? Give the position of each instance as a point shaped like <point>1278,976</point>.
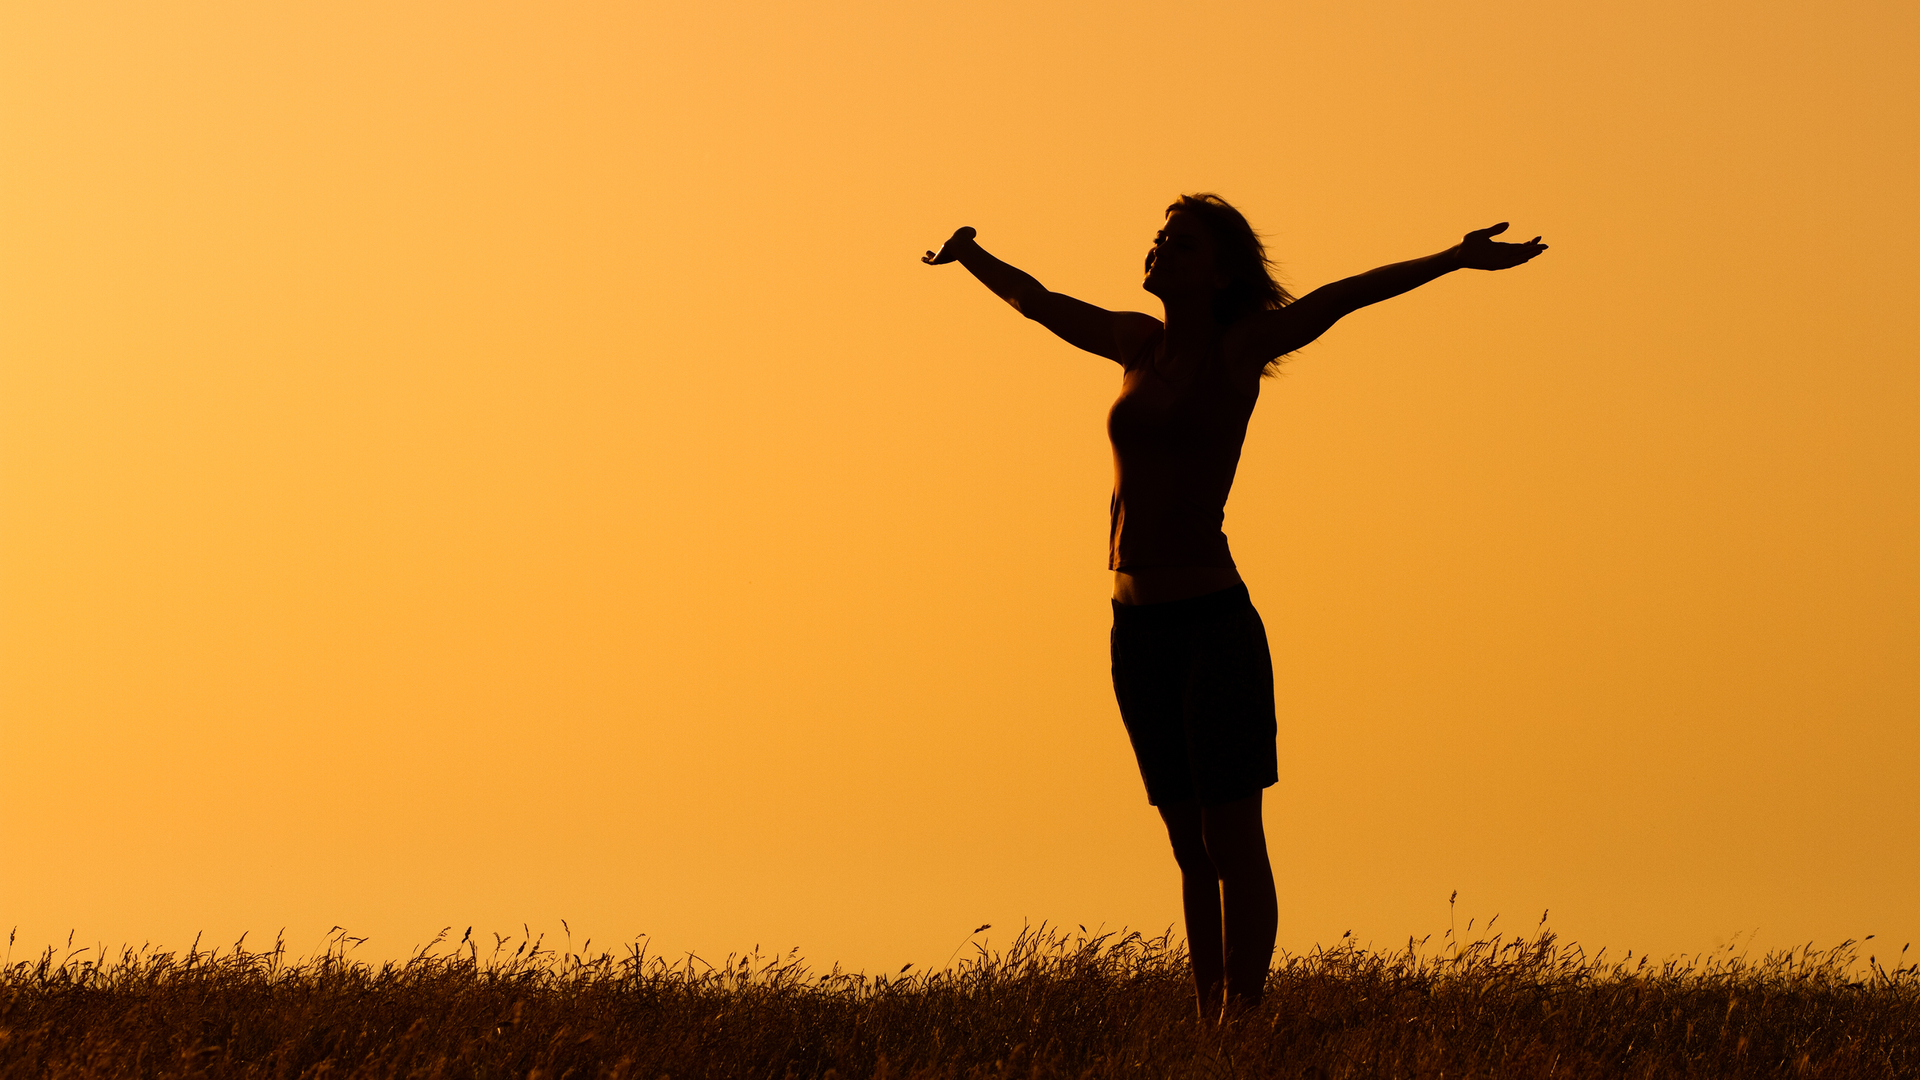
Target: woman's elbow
<point>1033,303</point>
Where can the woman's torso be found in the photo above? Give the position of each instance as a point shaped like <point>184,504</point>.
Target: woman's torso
<point>1177,429</point>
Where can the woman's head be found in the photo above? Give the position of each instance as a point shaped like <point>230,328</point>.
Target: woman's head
<point>1208,245</point>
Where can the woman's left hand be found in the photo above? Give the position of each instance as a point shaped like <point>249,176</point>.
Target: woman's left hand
<point>1480,251</point>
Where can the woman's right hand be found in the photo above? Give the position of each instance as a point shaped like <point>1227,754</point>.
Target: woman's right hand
<point>949,251</point>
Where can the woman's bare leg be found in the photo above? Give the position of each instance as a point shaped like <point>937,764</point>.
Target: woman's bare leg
<point>1236,843</point>
<point>1200,900</point>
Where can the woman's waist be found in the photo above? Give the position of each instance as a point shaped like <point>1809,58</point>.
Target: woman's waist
<point>1166,584</point>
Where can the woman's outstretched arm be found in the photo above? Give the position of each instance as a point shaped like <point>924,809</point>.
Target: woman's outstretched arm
<point>1282,330</point>
<point>1116,335</point>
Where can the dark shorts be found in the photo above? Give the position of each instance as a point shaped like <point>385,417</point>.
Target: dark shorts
<point>1195,684</point>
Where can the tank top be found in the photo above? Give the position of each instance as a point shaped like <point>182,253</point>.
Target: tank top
<point>1175,449</point>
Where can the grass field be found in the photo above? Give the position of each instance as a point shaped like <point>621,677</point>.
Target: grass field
<point>1049,1005</point>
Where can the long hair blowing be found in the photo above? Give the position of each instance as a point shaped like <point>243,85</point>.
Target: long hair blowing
<point>1242,257</point>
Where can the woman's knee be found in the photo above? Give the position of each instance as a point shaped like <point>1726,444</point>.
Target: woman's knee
<point>1236,863</point>
<point>1194,860</point>
<point>1235,838</point>
<point>1186,831</point>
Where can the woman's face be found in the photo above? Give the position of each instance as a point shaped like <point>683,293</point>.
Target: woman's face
<point>1182,260</point>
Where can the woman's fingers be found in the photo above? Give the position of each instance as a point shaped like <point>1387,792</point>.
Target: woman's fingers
<point>960,236</point>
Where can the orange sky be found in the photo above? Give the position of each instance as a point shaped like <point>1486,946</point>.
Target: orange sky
<point>498,463</point>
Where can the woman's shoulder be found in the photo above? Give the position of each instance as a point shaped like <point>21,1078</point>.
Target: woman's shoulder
<point>1243,353</point>
<point>1141,334</point>
<point>1245,340</point>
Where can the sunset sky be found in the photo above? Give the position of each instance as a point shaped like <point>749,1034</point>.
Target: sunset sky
<point>489,464</point>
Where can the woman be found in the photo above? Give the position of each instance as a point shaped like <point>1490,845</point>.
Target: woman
<point>1191,669</point>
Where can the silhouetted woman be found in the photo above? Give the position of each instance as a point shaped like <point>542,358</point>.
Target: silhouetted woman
<point>1190,663</point>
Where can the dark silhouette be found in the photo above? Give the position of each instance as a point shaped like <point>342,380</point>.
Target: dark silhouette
<point>1191,670</point>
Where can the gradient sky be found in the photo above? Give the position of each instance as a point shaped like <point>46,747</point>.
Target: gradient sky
<point>496,463</point>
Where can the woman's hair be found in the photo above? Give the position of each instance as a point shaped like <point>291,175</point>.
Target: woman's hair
<point>1241,255</point>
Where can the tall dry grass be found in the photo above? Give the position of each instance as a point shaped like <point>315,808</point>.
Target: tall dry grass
<point>1050,1004</point>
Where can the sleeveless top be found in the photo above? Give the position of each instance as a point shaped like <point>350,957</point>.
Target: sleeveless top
<point>1175,449</point>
